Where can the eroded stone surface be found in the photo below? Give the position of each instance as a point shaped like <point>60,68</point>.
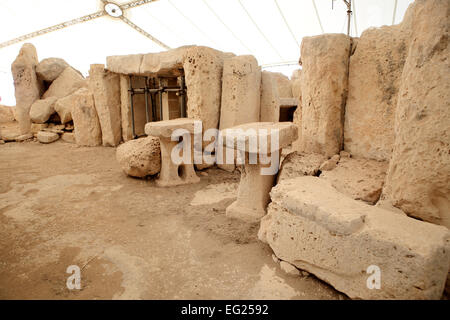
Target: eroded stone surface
<point>105,87</point>
<point>418,180</point>
<point>270,105</point>
<point>86,124</point>
<point>317,229</point>
<point>140,157</point>
<point>42,109</point>
<point>298,164</point>
<point>374,80</point>
<point>67,82</point>
<point>49,69</point>
<point>47,136</point>
<point>359,178</point>
<point>324,91</point>
<point>6,114</point>
<point>26,84</point>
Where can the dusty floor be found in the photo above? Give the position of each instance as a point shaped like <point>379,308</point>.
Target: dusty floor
<point>63,205</point>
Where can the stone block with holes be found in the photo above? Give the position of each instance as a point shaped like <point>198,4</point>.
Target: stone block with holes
<point>177,167</point>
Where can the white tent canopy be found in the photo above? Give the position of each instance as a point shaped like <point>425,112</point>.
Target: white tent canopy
<point>271,30</point>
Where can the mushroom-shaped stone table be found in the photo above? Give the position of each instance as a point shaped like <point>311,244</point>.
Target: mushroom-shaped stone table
<point>257,174</point>
<point>173,173</point>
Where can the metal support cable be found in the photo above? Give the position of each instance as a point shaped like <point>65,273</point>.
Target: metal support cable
<point>72,22</point>
<point>260,31</point>
<point>354,18</point>
<point>287,24</point>
<point>317,15</point>
<point>145,33</point>
<point>395,11</point>
<point>226,26</point>
<point>191,22</point>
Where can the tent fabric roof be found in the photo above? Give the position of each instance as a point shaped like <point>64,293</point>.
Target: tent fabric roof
<point>271,30</point>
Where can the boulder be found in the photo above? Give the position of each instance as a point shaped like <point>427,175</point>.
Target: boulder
<point>140,157</point>
<point>67,82</point>
<point>418,179</point>
<point>26,84</point>
<point>49,69</point>
<point>298,164</point>
<point>68,137</point>
<point>42,109</point>
<point>105,86</point>
<point>348,243</point>
<point>86,124</point>
<point>36,127</point>
<point>64,107</point>
<point>47,136</point>
<point>270,104</point>
<point>374,79</point>
<point>6,114</point>
<point>324,91</point>
<point>359,178</point>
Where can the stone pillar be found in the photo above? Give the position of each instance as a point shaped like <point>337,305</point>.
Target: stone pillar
<point>28,88</point>
<point>418,179</point>
<point>270,105</point>
<point>105,86</point>
<point>241,94</point>
<point>324,92</point>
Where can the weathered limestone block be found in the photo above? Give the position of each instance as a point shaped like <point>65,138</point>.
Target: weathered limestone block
<point>86,124</point>
<point>203,68</point>
<point>47,136</point>
<point>374,80</point>
<point>324,91</point>
<point>241,94</point>
<point>36,127</point>
<point>270,104</point>
<point>64,107</point>
<point>241,89</point>
<point>49,69</point>
<point>42,109</point>
<point>330,164</point>
<point>6,114</point>
<point>68,137</point>
<point>317,229</point>
<point>360,179</point>
<point>418,179</point>
<point>173,173</point>
<point>140,157</point>
<point>67,82</point>
<point>105,86</point>
<point>166,62</point>
<point>298,164</point>
<point>257,174</point>
<point>284,85</point>
<point>127,64</point>
<point>27,86</point>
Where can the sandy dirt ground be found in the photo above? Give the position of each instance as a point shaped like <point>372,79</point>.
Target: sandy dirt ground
<point>63,205</point>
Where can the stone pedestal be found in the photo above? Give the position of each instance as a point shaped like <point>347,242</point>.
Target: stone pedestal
<point>260,142</point>
<point>172,173</point>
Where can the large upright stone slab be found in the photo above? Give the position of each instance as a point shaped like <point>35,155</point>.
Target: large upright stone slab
<point>26,84</point>
<point>241,94</point>
<point>324,92</point>
<point>374,80</point>
<point>270,100</point>
<point>241,87</point>
<point>418,180</point>
<point>67,82</point>
<point>105,86</point>
<point>85,119</point>
<point>343,241</point>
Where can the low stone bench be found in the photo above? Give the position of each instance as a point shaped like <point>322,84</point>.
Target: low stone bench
<point>365,251</point>
<point>256,178</point>
<point>173,174</point>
